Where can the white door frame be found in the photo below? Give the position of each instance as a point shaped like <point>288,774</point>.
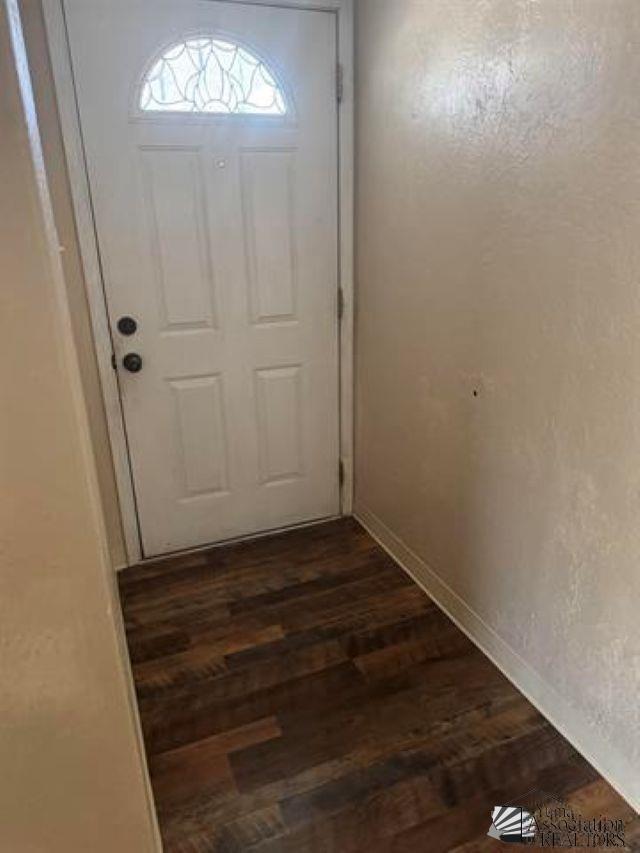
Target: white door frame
<point>78,177</point>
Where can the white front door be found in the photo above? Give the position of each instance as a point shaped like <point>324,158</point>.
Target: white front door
<point>210,133</point>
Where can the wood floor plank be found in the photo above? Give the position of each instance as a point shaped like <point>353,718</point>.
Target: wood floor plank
<point>203,767</point>
<point>204,659</point>
<point>210,710</point>
<point>300,693</point>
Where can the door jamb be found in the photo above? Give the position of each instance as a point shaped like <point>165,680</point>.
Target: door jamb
<point>87,238</point>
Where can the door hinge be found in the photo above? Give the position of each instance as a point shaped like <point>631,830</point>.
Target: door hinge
<point>340,473</point>
<point>339,83</point>
<point>340,303</point>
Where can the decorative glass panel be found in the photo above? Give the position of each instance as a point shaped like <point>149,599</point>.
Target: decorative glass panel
<point>207,75</point>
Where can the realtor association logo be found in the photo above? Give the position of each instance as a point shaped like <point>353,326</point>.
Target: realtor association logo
<point>512,825</point>
<point>552,823</point>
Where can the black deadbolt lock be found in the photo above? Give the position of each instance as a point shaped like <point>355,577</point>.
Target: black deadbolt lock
<point>132,362</point>
<point>127,325</point>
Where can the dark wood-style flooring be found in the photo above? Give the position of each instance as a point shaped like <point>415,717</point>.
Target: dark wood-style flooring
<point>300,693</point>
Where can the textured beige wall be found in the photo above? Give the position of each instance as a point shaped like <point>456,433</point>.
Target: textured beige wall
<point>42,80</point>
<point>498,334</point>
<point>71,771</point>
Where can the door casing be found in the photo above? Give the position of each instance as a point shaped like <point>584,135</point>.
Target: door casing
<point>78,178</point>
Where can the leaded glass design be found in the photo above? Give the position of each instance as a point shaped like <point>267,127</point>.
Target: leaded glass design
<point>208,75</point>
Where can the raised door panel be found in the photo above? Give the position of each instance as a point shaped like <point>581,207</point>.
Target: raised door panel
<point>267,187</point>
<point>201,432</point>
<point>179,236</point>
<point>278,395</point>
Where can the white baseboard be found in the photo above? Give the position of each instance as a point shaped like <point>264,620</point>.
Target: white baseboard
<point>613,766</point>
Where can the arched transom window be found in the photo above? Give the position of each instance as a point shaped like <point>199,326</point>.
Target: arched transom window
<point>209,75</point>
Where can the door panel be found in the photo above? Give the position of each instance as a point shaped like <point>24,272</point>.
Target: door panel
<point>218,234</point>
<point>279,414</point>
<point>178,236</point>
<point>204,452</point>
<point>268,187</point>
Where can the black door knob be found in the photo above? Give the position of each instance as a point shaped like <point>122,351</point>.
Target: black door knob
<point>127,325</point>
<point>132,362</point>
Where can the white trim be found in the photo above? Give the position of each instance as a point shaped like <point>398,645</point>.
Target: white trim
<point>566,718</point>
<point>72,137</point>
<point>346,112</point>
